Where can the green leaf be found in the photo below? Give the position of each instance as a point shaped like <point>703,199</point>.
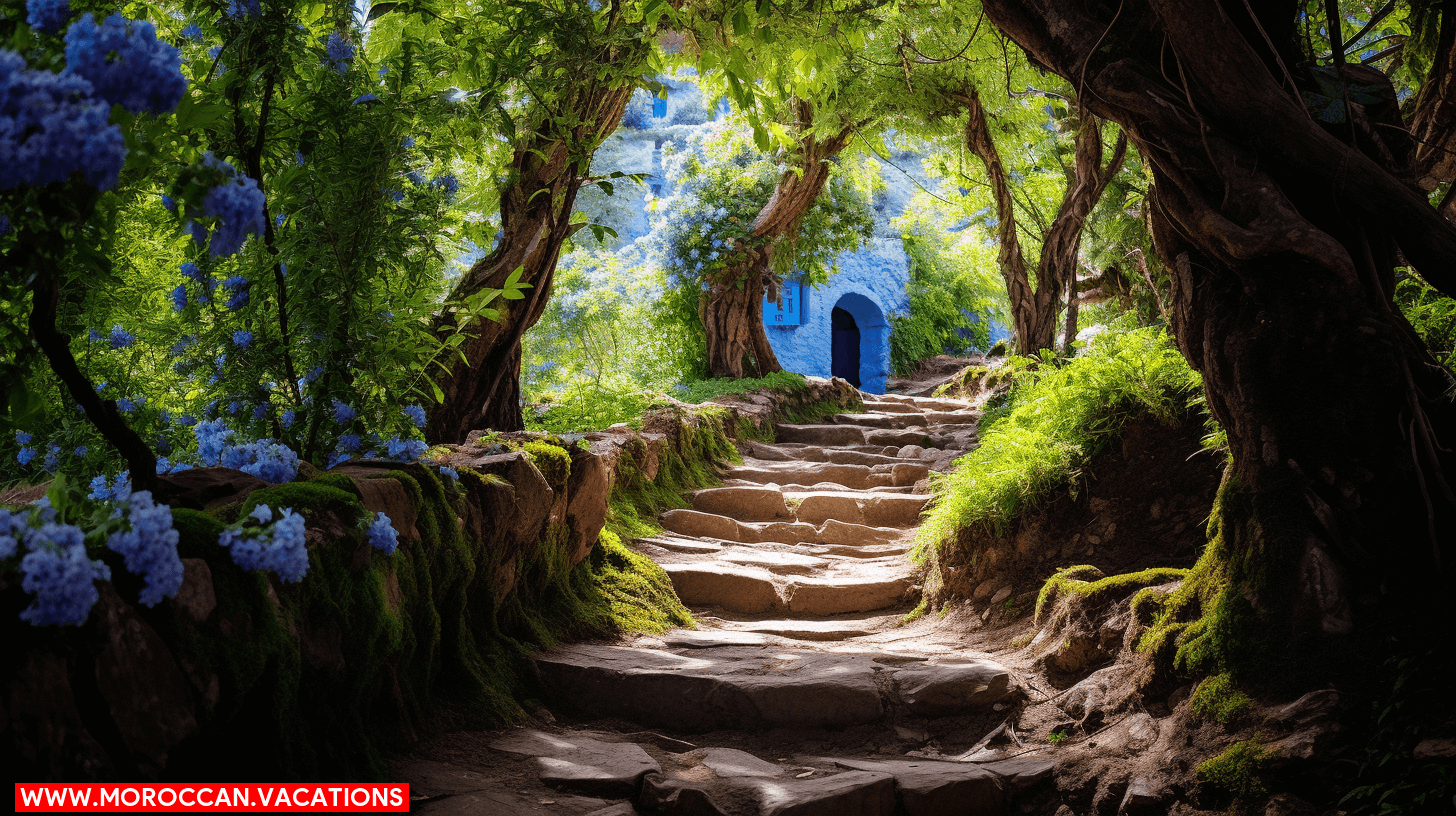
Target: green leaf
<point>380,9</point>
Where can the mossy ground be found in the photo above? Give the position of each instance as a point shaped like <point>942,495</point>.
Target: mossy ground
<point>1235,776</point>
<point>1093,589</point>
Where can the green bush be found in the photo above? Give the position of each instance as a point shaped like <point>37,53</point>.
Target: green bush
<point>1059,416</point>
<point>1217,699</point>
<point>1431,313</point>
<point>949,282</point>
<point>783,382</point>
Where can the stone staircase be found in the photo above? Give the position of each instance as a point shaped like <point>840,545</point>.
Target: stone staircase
<point>797,570</point>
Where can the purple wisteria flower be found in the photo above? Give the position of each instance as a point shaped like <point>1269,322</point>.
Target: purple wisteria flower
<point>47,16</point>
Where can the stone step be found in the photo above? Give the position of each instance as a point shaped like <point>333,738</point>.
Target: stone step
<point>834,531</point>
<point>807,473</point>
<point>735,588</point>
<point>689,546</point>
<point>928,403</point>
<point>850,457</point>
<point>934,788</point>
<point>897,438</point>
<point>823,631</point>
<point>870,509</point>
<point>838,596</point>
<point>891,421</point>
<point>755,688</point>
<point>890,406</point>
<point>943,418</point>
<point>779,563</point>
<point>742,503</point>
<point>580,764</point>
<point>822,434</point>
<point>872,551</point>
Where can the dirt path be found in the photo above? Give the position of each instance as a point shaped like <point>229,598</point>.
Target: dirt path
<point>800,692</point>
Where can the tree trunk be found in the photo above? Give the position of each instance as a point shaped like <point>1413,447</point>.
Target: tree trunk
<point>1069,333</point>
<point>733,313</point>
<point>1433,121</point>
<point>1280,239</point>
<point>1034,312</point>
<point>484,389</point>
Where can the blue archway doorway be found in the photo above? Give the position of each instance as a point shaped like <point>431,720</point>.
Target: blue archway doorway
<point>860,344</point>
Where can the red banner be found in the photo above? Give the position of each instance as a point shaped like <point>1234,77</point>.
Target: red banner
<point>204,797</point>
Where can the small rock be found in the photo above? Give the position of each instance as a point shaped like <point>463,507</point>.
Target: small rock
<point>1436,749</point>
<point>1143,798</point>
<point>1001,594</point>
<point>582,764</point>
<point>1309,707</point>
<point>619,809</point>
<point>729,763</point>
<point>1143,728</point>
<point>674,797</point>
<point>945,689</point>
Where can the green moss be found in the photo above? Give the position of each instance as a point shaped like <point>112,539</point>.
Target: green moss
<point>338,481</point>
<point>553,462</point>
<point>306,498</point>
<point>1237,772</point>
<point>1095,590</point>
<point>1217,699</point>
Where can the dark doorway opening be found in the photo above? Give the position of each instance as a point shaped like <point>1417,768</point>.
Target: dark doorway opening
<point>845,346</point>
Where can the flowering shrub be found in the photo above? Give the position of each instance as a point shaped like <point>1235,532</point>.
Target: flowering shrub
<point>52,128</point>
<point>268,541</point>
<point>382,535</point>
<point>125,64</point>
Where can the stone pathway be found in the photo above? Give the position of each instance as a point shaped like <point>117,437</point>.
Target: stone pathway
<point>798,692</point>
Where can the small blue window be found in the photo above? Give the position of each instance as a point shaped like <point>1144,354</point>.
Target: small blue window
<point>659,108</point>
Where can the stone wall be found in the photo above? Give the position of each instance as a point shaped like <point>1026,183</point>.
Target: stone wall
<point>241,676</point>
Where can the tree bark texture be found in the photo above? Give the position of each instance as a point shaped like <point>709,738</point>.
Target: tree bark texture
<point>1280,235</point>
<point>484,389</point>
<point>1433,121</point>
<point>733,309</point>
<point>1034,311</point>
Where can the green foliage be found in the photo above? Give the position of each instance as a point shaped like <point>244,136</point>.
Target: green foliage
<point>954,293</point>
<point>1432,314</point>
<point>1217,698</point>
<point>588,406</point>
<point>699,391</point>
<point>1060,415</point>
<point>1237,772</point>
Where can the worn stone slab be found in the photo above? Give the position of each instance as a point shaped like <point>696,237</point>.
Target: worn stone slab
<point>806,630</point>
<point>696,523</point>
<point>931,788</point>
<point>581,764</point>
<point>908,473</point>
<point>856,793</point>
<point>851,457</point>
<point>901,438</point>
<point>891,421</point>
<point>1020,773</point>
<point>821,434</point>
<point>890,406</point>
<point>714,688</point>
<point>730,763</point>
<point>736,588</point>
<point>780,563</point>
<point>709,638</point>
<point>690,546</point>
<point>836,596</point>
<point>834,531</point>
<point>781,532</point>
<point>742,503</point>
<point>939,690</point>
<point>869,509</point>
<point>804,473</point>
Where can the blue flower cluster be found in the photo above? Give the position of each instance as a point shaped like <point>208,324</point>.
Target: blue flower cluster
<point>339,51</point>
<point>348,443</point>
<point>382,535</point>
<point>125,63</point>
<point>51,129</point>
<point>179,297</point>
<point>104,490</point>
<point>238,9</point>
<point>416,415</point>
<point>279,547</point>
<point>238,285</point>
<point>150,548</point>
<point>271,461</point>
<point>212,439</point>
<point>55,569</point>
<point>449,471</point>
<point>242,338</point>
<point>47,16</point>
<point>237,203</point>
<point>447,182</point>
<point>407,450</point>
<point>192,32</point>
<point>121,338</point>
<point>344,413</point>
